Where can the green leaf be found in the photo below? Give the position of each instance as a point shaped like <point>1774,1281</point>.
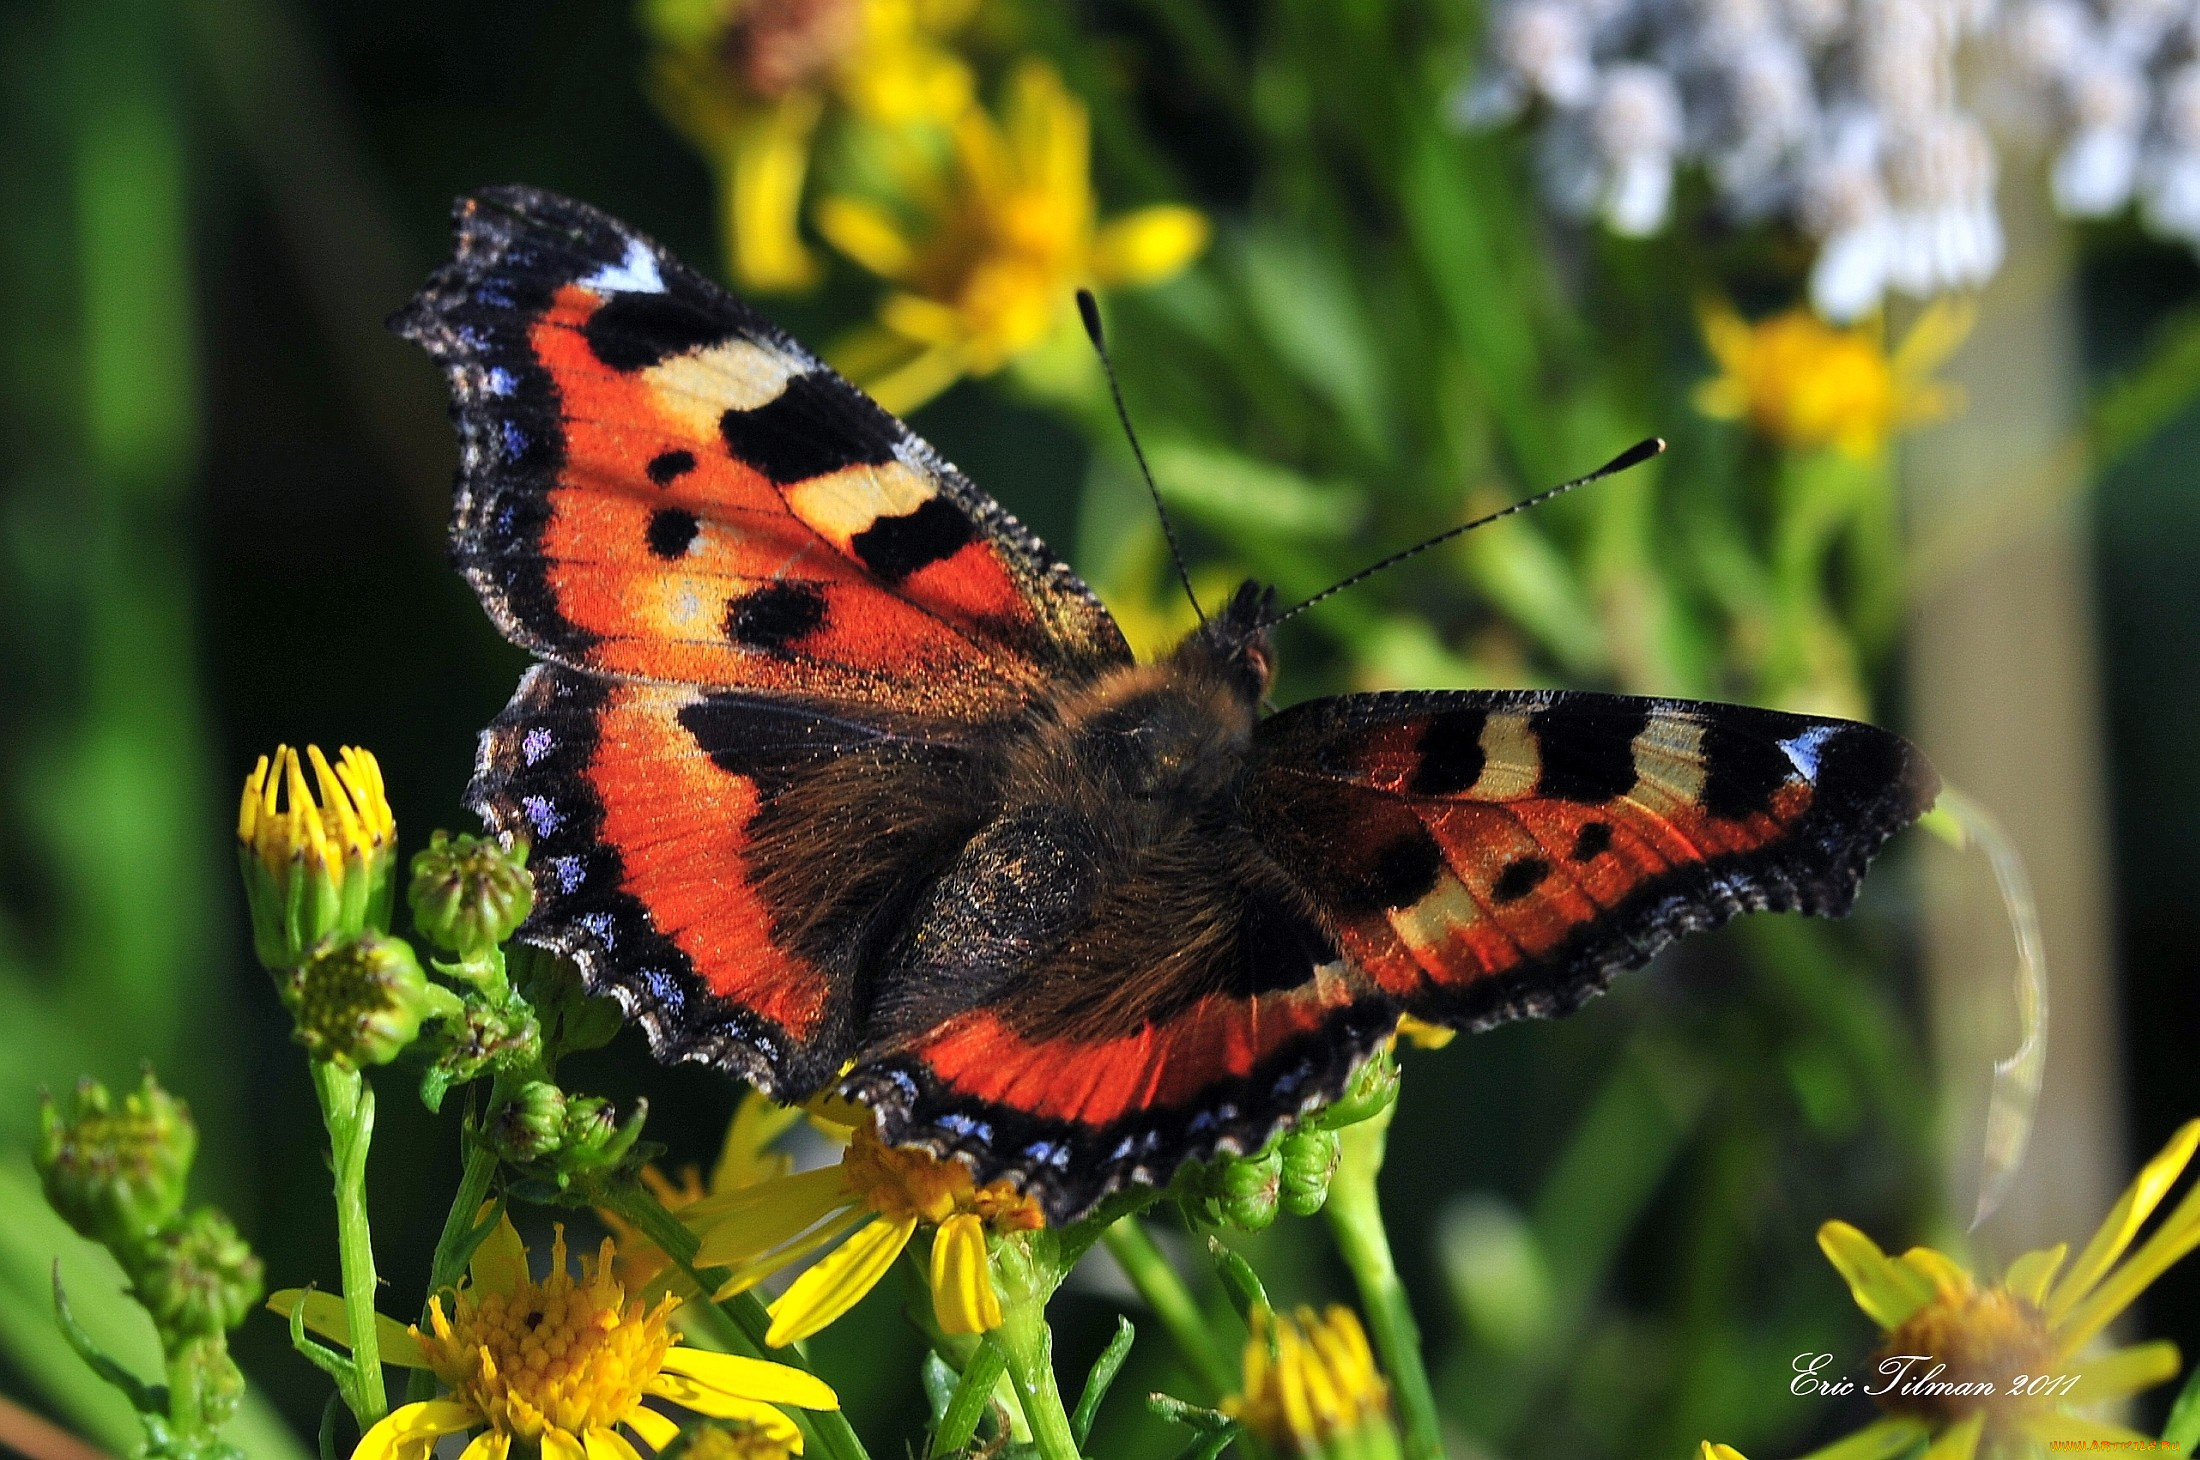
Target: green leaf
<point>960,1421</point>
<point>1176,1411</point>
<point>2182,1429</point>
<point>1231,491</point>
<point>144,1398</point>
<point>1097,1382</point>
<point>1239,1281</point>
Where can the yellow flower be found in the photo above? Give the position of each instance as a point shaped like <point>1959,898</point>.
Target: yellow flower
<point>871,1205</point>
<point>749,82</point>
<point>1804,385</point>
<point>560,1365</point>
<point>2018,1346</point>
<point>730,1440</point>
<point>1720,1452</point>
<point>1312,1388</point>
<point>745,1159</point>
<point>312,868</point>
<point>1005,240</point>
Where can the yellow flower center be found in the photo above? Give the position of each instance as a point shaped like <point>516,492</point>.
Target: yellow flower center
<point>567,1354</point>
<point>1962,1353</point>
<point>1810,384</point>
<point>897,1184</point>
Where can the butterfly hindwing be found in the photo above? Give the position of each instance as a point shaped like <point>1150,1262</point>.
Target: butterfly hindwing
<point>655,483</point>
<point>1489,856</point>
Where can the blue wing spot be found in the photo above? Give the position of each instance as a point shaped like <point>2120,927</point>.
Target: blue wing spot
<point>542,814</point>
<point>536,744</point>
<point>1803,750</point>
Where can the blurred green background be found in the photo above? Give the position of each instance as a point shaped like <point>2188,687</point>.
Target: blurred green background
<point>221,522</point>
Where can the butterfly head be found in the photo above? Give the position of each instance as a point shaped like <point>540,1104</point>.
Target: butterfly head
<point>1236,644</point>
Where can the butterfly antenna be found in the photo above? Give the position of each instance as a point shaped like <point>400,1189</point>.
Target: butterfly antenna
<point>1633,456</point>
<point>1088,309</point>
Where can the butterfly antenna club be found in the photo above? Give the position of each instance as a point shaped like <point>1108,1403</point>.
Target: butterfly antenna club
<point>1088,309</point>
<point>1633,456</point>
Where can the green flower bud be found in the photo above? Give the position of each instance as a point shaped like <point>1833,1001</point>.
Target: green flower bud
<point>531,1124</point>
<point>732,1439</point>
<point>360,1000</point>
<point>203,1364</point>
<point>469,893</point>
<point>1371,1090</point>
<point>487,1035</point>
<point>572,1018</point>
<point>1246,1189</point>
<point>315,869</point>
<point>1309,1156</point>
<point>199,1277</point>
<point>595,1140</point>
<point>116,1175</point>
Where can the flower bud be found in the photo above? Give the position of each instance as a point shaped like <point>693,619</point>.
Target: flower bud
<point>1309,1156</point>
<point>360,1000</point>
<point>1371,1090</point>
<point>116,1175</point>
<point>595,1140</point>
<point>531,1124</point>
<point>487,1035</point>
<point>733,1439</point>
<point>1246,1189</point>
<point>217,1386</point>
<point>199,1277</point>
<point>315,869</point>
<point>571,1017</point>
<point>469,893</point>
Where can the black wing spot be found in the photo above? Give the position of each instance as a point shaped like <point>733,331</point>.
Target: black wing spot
<point>1405,871</point>
<point>1520,879</point>
<point>671,532</point>
<point>1588,755</point>
<point>632,332</point>
<point>1745,767</point>
<point>667,467</point>
<point>773,617</point>
<point>1451,754</point>
<point>895,547</point>
<point>813,427</point>
<point>1592,841</point>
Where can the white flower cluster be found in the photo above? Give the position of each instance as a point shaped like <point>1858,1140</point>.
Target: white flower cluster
<point>2122,82</point>
<point>1841,115</point>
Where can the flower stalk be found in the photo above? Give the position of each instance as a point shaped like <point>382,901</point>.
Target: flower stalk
<point>1157,1281</point>
<point>1356,1220</point>
<point>347,1110</point>
<point>1027,1270</point>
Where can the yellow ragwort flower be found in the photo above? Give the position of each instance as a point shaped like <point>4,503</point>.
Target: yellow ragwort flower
<point>749,82</point>
<point>871,1205</point>
<point>1720,1452</point>
<point>561,1366</point>
<point>1805,385</point>
<point>1312,1388</point>
<point>315,867</point>
<point>745,1159</point>
<point>1995,1370</point>
<point>1004,241</point>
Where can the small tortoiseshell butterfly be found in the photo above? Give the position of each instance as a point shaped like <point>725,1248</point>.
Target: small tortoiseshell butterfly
<point>830,765</point>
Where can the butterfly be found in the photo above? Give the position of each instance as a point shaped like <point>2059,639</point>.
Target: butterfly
<point>836,778</point>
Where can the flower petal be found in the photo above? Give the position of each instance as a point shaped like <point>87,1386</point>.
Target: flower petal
<point>745,1378</point>
<point>656,1430</point>
<point>2124,1220</point>
<point>1148,245</point>
<point>325,1315</point>
<point>1960,1442</point>
<point>768,160</point>
<point>409,1432</point>
<point>748,1274</point>
<point>500,1263</point>
<point>747,1158</point>
<point>561,1445</point>
<point>1880,1440</point>
<point>688,1394</point>
<point>748,1222</point>
<point>608,1445</point>
<point>2177,1235</point>
<point>2125,1371</point>
<point>2030,1274</point>
<point>1887,1291</point>
<point>488,1445</point>
<point>1721,1452</point>
<point>962,1289</point>
<point>839,1281</point>
<point>868,234</point>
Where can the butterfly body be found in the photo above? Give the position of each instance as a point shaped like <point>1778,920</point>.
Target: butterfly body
<point>837,778</point>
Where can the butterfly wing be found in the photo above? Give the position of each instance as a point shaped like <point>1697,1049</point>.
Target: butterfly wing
<point>655,483</point>
<point>1494,856</point>
<point>775,621</point>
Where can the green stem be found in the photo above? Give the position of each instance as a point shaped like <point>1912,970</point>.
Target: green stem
<point>1356,1219</point>
<point>1028,1268</point>
<point>458,1225</point>
<point>347,1109</point>
<point>1150,1271</point>
<point>739,1322</point>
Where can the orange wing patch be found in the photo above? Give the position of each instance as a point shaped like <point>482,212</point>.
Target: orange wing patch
<point>1489,856</point>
